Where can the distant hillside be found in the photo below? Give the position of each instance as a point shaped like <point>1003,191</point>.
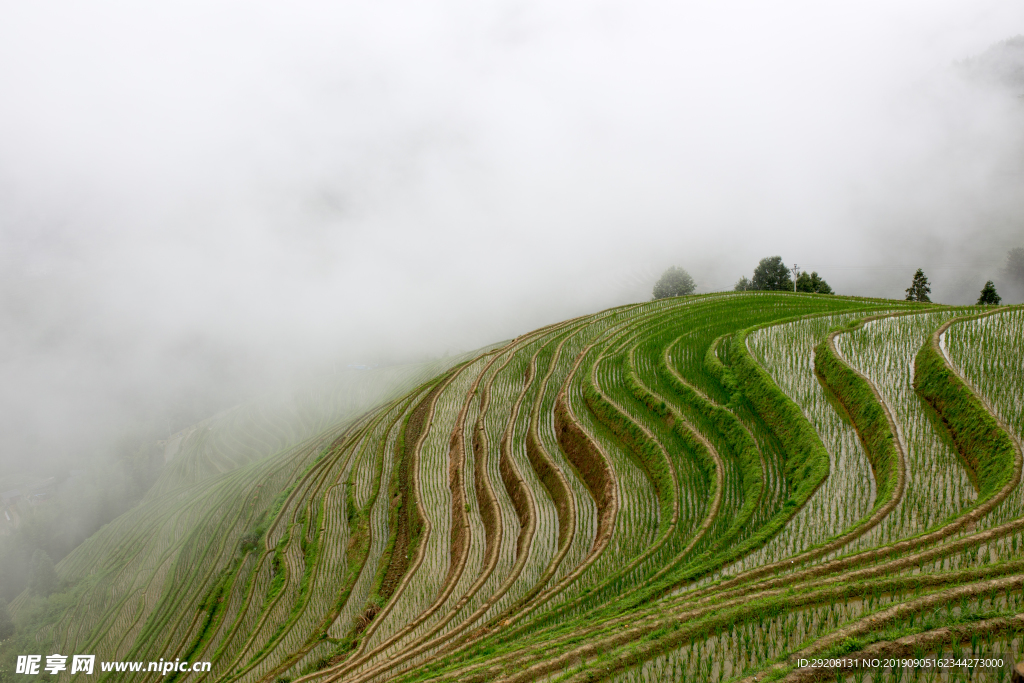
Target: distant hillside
<point>277,422</point>
<point>1003,63</point>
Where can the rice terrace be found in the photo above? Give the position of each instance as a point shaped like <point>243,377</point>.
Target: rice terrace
<point>701,488</point>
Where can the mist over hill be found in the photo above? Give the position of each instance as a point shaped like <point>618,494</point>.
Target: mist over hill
<point>1001,64</point>
<point>326,331</point>
<point>196,210</point>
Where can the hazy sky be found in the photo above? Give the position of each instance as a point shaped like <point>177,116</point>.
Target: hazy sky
<point>209,196</point>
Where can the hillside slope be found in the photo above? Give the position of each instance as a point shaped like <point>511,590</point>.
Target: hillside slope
<point>701,488</point>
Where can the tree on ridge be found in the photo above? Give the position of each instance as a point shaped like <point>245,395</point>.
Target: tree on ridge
<point>919,287</point>
<point>812,284</point>
<point>743,285</point>
<point>674,282</point>
<point>772,275</point>
<point>989,296</point>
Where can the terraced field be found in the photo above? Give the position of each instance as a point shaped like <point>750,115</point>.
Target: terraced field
<point>705,488</point>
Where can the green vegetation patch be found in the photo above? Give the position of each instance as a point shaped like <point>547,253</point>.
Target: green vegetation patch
<point>983,444</point>
<point>869,417</point>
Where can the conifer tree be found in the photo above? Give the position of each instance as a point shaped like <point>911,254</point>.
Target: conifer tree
<point>989,296</point>
<point>919,288</point>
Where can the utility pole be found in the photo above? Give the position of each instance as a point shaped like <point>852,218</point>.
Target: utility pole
<point>796,272</point>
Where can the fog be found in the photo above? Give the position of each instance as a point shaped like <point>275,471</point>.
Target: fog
<point>201,201</point>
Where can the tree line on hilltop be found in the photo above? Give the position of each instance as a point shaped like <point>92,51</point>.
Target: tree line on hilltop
<point>772,275</point>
